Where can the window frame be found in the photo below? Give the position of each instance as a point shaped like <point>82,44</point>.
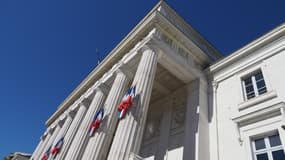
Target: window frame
<point>252,76</point>
<point>268,149</point>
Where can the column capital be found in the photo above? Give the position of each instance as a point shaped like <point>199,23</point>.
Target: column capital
<point>134,156</point>
<point>61,120</point>
<point>149,46</point>
<point>125,69</point>
<point>46,132</point>
<point>74,107</point>
<point>70,112</point>
<point>103,88</point>
<point>58,122</point>
<point>43,137</point>
<point>67,112</point>
<point>79,104</point>
<point>53,126</point>
<point>51,129</point>
<point>89,93</point>
<point>84,102</point>
<point>62,117</point>
<point>215,85</point>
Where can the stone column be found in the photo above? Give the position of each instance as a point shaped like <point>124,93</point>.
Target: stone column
<point>77,147</point>
<point>38,154</point>
<point>52,138</point>
<point>68,138</point>
<point>129,132</point>
<point>98,145</point>
<point>43,138</point>
<point>63,130</point>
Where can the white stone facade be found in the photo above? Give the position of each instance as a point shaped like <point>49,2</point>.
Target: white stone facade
<point>189,103</point>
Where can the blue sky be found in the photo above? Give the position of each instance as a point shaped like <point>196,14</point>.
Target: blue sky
<point>47,47</point>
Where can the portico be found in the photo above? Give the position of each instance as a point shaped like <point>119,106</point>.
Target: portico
<point>166,66</point>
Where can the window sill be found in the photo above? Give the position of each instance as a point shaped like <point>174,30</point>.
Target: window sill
<point>257,100</point>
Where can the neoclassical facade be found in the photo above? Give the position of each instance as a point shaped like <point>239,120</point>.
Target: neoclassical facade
<point>189,103</point>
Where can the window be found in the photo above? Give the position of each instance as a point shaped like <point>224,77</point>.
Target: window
<point>268,148</point>
<point>254,85</point>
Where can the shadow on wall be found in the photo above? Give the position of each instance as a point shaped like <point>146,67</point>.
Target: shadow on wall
<point>165,130</point>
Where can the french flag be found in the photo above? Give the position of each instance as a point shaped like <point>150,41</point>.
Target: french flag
<point>55,150</point>
<point>96,122</point>
<point>46,154</point>
<point>126,102</point>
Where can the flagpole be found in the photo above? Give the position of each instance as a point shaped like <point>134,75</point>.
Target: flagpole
<point>98,56</point>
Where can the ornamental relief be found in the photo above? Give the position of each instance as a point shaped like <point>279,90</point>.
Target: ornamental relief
<point>178,114</point>
<point>152,128</point>
<point>179,50</point>
<point>190,33</point>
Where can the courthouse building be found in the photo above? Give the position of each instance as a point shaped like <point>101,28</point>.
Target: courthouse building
<point>165,93</point>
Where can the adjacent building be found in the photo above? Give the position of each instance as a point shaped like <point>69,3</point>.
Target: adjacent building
<point>168,94</point>
<point>18,156</point>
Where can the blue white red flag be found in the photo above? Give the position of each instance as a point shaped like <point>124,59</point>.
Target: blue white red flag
<point>55,150</point>
<point>126,102</point>
<point>46,154</point>
<point>98,118</point>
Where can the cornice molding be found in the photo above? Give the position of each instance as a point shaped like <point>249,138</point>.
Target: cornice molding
<point>260,114</point>
<point>252,59</point>
<point>248,49</point>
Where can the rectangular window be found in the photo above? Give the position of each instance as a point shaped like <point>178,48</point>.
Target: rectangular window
<point>254,85</point>
<point>268,148</point>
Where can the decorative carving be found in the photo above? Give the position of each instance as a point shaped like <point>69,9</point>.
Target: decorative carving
<point>188,31</point>
<point>182,52</point>
<point>178,114</point>
<point>152,128</point>
<point>166,39</point>
<point>215,85</point>
<point>173,45</point>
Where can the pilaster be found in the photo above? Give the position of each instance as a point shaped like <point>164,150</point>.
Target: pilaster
<point>164,131</point>
<point>196,140</point>
<point>213,122</point>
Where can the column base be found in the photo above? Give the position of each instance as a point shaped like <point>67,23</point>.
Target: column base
<point>135,157</point>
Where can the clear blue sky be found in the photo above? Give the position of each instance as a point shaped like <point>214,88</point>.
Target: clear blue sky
<point>47,47</point>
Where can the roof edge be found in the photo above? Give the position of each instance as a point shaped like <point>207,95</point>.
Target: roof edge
<point>265,39</point>
<point>78,90</point>
<point>94,75</point>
